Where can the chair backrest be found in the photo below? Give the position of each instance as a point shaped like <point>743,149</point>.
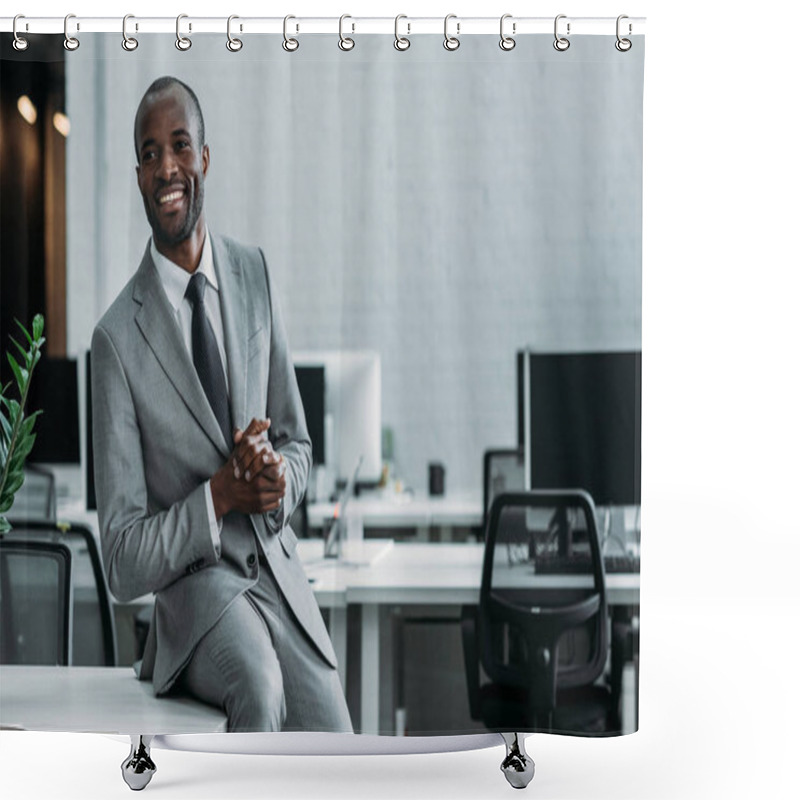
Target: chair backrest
<point>93,630</point>
<point>542,618</point>
<point>503,471</point>
<point>36,498</point>
<point>35,603</point>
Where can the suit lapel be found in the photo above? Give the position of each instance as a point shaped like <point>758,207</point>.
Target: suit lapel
<point>156,321</point>
<point>233,304</point>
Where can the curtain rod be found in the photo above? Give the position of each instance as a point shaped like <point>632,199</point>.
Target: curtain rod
<point>405,26</point>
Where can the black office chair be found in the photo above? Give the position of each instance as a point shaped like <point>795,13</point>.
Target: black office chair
<point>94,641</point>
<point>541,637</point>
<point>36,498</point>
<point>35,603</point>
<point>503,471</point>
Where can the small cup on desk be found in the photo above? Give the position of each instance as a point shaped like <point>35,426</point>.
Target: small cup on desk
<point>435,479</point>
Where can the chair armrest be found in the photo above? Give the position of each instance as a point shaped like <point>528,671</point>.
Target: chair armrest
<point>469,641</point>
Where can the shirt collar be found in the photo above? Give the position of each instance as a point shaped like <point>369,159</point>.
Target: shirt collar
<point>175,279</point>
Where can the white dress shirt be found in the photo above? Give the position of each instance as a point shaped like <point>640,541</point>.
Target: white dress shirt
<point>175,281</point>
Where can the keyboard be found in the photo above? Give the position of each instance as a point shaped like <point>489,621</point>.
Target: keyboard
<point>582,564</point>
<point>618,562</point>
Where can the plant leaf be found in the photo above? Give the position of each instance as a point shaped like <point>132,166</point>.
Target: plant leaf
<point>22,451</point>
<point>26,355</point>
<point>6,501</point>
<point>38,326</point>
<point>6,429</point>
<point>5,526</point>
<point>13,409</point>
<point>20,373</point>
<point>30,421</point>
<point>25,331</point>
<point>14,481</point>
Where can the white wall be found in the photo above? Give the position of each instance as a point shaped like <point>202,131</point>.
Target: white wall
<point>442,208</point>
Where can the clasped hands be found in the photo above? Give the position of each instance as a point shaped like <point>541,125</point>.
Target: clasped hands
<point>253,479</point>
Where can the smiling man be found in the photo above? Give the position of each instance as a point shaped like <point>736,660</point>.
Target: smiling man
<point>202,453</point>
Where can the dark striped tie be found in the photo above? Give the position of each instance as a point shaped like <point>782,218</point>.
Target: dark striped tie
<point>207,360</point>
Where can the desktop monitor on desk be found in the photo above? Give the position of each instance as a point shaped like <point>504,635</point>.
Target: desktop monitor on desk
<point>311,383</point>
<point>352,409</point>
<point>580,423</point>
<point>54,391</point>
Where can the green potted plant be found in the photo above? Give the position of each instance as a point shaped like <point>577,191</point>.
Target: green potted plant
<point>16,429</point>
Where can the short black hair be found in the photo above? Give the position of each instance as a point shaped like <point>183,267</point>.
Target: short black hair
<point>162,84</point>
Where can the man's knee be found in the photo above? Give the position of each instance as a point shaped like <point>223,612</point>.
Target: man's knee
<point>256,703</point>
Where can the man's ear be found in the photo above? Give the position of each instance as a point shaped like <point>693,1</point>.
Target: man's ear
<point>206,159</point>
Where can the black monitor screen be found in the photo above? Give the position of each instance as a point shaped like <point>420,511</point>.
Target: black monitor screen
<point>311,382</point>
<point>585,423</point>
<point>54,390</point>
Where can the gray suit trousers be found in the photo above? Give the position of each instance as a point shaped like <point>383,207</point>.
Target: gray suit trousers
<point>261,669</point>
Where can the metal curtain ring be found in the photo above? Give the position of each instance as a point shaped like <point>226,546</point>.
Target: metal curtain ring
<point>345,42</point>
<point>561,43</point>
<point>400,42</point>
<point>183,43</point>
<point>70,42</point>
<point>128,42</point>
<point>451,42</point>
<point>20,43</point>
<point>233,44</point>
<point>507,42</point>
<point>623,45</point>
<point>289,45</point>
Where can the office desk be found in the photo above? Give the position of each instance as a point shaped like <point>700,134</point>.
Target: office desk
<point>96,700</point>
<point>411,573</point>
<point>408,574</point>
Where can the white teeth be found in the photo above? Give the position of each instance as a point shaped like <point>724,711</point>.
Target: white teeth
<point>168,198</point>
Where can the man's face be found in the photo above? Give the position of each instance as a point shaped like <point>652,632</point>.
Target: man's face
<point>172,165</point>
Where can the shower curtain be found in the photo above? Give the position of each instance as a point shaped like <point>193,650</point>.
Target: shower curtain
<point>415,222</point>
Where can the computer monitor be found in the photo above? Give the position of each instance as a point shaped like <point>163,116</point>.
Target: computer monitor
<point>311,383</point>
<point>54,390</point>
<point>352,410</point>
<point>580,423</point>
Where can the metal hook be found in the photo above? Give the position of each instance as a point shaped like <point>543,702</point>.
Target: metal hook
<point>507,42</point>
<point>345,42</point>
<point>561,43</point>
<point>400,42</point>
<point>20,43</point>
<point>128,42</point>
<point>233,44</point>
<point>183,43</point>
<point>70,42</point>
<point>289,45</point>
<point>451,42</point>
<point>623,45</point>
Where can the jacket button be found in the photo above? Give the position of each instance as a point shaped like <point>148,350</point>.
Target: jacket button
<point>251,560</point>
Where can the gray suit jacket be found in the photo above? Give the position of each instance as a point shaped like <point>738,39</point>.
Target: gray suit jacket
<point>157,441</point>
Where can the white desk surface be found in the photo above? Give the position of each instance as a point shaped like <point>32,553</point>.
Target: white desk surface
<point>409,572</point>
<point>427,573</point>
<point>96,700</point>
